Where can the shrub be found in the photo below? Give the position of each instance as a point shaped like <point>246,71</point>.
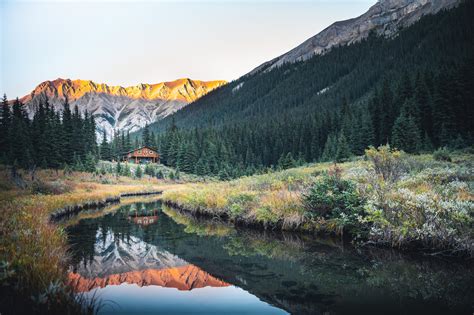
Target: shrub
<point>442,154</point>
<point>240,203</point>
<point>386,162</point>
<point>49,188</point>
<point>334,198</point>
<point>266,216</point>
<point>405,218</point>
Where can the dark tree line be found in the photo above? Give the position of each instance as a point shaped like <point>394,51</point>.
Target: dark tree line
<point>413,91</point>
<point>119,144</point>
<point>51,139</point>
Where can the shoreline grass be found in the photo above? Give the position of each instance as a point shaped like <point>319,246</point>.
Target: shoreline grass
<point>33,250</point>
<point>428,205</point>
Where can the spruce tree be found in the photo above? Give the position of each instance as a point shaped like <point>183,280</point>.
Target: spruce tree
<point>405,134</point>
<point>105,152</point>
<point>5,123</point>
<point>343,151</point>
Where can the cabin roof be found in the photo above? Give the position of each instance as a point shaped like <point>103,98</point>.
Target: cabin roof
<point>140,148</point>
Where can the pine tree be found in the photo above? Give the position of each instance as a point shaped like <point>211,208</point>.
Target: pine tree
<point>5,123</point>
<point>90,163</point>
<point>105,152</point>
<point>21,146</point>
<point>126,170</point>
<point>138,172</point>
<point>330,148</point>
<point>343,151</point>
<point>405,134</point>
<point>67,133</point>
<point>146,138</point>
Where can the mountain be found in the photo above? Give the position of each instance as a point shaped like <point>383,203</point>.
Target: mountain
<point>117,107</point>
<point>385,18</point>
<point>411,90</point>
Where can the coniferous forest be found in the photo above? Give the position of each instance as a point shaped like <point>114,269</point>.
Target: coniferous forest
<point>413,91</point>
<point>51,139</point>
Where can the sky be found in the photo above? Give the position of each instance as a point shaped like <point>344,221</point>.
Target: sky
<point>131,42</point>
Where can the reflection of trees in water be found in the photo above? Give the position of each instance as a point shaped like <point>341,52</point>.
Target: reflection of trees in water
<point>296,272</point>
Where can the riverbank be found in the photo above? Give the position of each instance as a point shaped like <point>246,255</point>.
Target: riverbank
<point>386,198</point>
<point>33,251</point>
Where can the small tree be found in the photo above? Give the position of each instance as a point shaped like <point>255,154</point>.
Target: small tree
<point>126,170</point>
<point>334,198</point>
<point>149,170</point>
<point>343,151</point>
<point>160,174</point>
<point>118,169</point>
<point>138,172</point>
<point>90,163</point>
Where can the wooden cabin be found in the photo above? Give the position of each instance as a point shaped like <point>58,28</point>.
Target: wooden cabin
<point>143,155</point>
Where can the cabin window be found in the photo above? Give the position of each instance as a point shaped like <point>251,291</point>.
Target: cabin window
<point>139,151</point>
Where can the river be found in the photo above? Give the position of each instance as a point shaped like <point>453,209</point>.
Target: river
<point>147,258</point>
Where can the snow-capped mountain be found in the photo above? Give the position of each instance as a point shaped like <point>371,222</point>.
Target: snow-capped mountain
<point>386,17</point>
<point>117,107</point>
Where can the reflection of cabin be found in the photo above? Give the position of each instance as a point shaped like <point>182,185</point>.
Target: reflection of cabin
<point>144,220</point>
<point>142,216</point>
<point>142,155</point>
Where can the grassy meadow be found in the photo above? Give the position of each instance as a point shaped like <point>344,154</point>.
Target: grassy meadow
<point>385,198</point>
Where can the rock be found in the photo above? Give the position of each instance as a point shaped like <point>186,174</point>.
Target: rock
<point>117,107</point>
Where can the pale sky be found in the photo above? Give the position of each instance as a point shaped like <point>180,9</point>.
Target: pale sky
<point>131,42</point>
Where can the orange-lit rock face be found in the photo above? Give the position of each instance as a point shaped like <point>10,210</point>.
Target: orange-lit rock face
<point>182,278</point>
<point>185,90</point>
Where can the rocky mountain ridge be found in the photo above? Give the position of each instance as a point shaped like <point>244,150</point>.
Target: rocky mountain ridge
<point>386,17</point>
<point>117,107</point>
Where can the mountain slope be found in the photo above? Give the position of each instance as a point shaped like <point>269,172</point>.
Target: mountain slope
<point>386,17</point>
<point>420,78</point>
<point>122,108</point>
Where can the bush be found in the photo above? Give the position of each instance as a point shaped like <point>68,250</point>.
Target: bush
<point>386,162</point>
<point>427,218</point>
<point>334,198</point>
<point>442,154</point>
<point>51,188</point>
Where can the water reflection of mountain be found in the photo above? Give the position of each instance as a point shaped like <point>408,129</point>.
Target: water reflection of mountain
<point>116,255</point>
<point>298,274</point>
<point>183,278</point>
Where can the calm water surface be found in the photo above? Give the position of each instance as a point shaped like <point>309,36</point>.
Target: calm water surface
<point>145,258</point>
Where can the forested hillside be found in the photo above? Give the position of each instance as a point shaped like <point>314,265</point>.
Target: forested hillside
<point>51,139</point>
<point>413,91</point>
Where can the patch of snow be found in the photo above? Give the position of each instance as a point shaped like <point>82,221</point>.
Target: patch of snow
<point>235,89</point>
<point>323,90</point>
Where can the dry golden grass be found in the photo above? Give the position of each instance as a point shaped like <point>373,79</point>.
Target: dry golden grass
<point>269,199</point>
<point>34,250</point>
